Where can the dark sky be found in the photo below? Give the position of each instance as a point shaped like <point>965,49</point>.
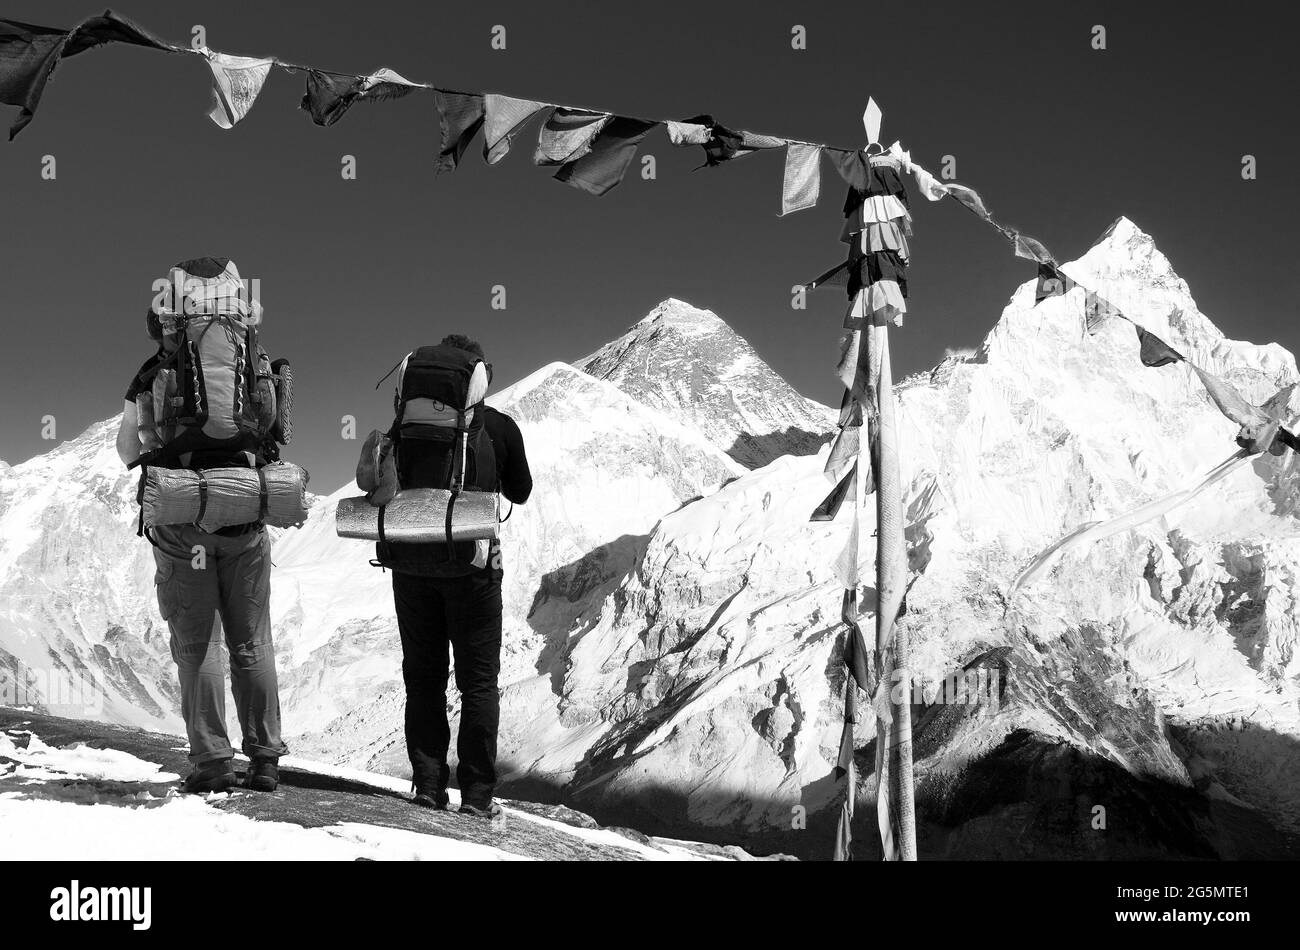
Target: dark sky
<point>1060,140</point>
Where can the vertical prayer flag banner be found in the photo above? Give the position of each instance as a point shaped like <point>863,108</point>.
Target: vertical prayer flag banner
<point>802,184</point>
<point>236,82</point>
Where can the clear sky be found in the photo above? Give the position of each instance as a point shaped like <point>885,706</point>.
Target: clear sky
<point>1058,137</point>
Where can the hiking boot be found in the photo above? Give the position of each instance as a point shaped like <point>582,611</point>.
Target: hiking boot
<point>431,796</point>
<point>489,810</point>
<point>217,776</point>
<point>263,775</point>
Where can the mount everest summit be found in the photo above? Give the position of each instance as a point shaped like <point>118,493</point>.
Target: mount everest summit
<point>671,639</point>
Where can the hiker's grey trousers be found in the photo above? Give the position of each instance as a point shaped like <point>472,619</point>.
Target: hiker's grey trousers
<point>207,582</point>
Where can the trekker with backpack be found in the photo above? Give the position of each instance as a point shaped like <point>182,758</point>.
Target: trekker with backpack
<point>445,437</point>
<point>208,400</point>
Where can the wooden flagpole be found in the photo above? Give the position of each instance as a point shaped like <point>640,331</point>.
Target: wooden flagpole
<point>891,558</point>
<point>891,581</point>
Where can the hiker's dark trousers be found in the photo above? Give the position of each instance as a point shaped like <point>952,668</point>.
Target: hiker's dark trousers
<point>464,612</point>
<point>208,583</point>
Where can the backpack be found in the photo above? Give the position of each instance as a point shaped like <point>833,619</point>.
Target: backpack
<point>214,393</point>
<point>439,440</point>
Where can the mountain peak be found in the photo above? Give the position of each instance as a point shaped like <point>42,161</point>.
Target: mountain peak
<point>1123,231</point>
<point>688,363</point>
<point>684,316</point>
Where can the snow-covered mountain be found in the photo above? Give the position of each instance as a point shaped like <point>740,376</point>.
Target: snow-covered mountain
<point>688,363</point>
<point>79,627</point>
<point>671,634</point>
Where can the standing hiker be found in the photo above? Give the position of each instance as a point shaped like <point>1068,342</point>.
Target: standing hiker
<point>207,399</point>
<point>444,436</point>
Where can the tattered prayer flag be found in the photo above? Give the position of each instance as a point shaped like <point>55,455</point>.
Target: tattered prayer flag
<point>236,82</point>
<point>1230,402</point>
<point>970,198</point>
<point>866,175</point>
<point>1097,308</point>
<point>687,133</point>
<point>831,504</point>
<point>1051,283</point>
<point>857,657</point>
<point>330,95</point>
<point>928,184</point>
<point>460,116</point>
<point>803,180</point>
<point>847,366</point>
<point>29,54</point>
<point>721,144</point>
<point>844,765</point>
<point>506,117</point>
<point>1031,249</point>
<point>877,304</point>
<point>886,236</point>
<point>867,269</point>
<point>878,209</point>
<point>844,450</point>
<point>753,141</point>
<point>843,850</point>
<point>567,134</point>
<point>848,564</point>
<point>850,410</point>
<point>611,153</point>
<point>1155,351</point>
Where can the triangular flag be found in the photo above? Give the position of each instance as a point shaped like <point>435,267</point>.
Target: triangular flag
<point>567,134</point>
<point>236,82</point>
<point>506,116</point>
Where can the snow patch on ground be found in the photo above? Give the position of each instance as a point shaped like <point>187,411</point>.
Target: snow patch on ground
<point>83,804</point>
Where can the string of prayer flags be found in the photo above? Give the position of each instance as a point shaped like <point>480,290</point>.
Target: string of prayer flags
<point>1155,352</point>
<point>460,116</point>
<point>330,95</point>
<point>611,154</point>
<point>29,54</point>
<point>236,83</point>
<point>802,184</point>
<point>567,134</point>
<point>505,118</point>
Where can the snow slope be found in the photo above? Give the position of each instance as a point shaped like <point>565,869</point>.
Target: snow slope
<point>106,797</point>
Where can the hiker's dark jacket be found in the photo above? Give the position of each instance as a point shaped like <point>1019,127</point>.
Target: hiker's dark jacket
<point>514,479</point>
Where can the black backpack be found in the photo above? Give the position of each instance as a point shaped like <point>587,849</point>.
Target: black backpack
<point>439,441</point>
